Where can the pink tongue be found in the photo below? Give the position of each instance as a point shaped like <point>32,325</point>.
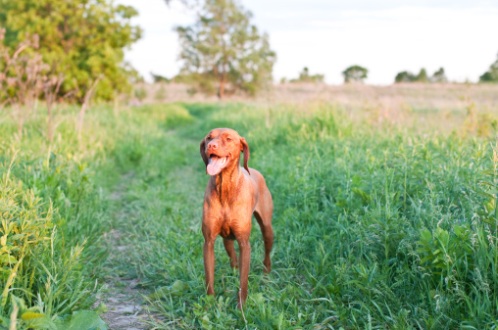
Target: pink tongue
<point>215,165</point>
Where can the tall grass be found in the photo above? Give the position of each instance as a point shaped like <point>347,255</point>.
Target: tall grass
<point>378,224</point>
<point>52,217</point>
<point>382,219</point>
<point>56,212</point>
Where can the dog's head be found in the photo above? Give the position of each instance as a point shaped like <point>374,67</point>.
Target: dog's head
<point>221,148</point>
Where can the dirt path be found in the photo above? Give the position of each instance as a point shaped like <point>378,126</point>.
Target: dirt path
<point>122,296</point>
<point>135,212</point>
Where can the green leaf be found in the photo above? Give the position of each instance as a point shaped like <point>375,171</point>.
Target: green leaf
<point>177,288</point>
<point>83,320</point>
<point>6,259</point>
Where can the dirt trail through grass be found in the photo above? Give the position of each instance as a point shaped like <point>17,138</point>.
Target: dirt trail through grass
<point>123,298</point>
<point>151,208</point>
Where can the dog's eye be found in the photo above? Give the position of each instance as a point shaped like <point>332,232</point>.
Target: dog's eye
<point>229,139</point>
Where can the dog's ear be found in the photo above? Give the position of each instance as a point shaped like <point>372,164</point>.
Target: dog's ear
<point>203,151</point>
<point>245,150</point>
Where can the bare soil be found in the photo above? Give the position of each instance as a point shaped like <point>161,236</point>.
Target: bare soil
<point>123,296</point>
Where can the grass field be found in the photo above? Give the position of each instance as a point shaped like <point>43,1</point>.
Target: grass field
<point>385,217</point>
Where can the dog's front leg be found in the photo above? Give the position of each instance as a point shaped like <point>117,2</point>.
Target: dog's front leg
<point>244,265</point>
<point>209,264</point>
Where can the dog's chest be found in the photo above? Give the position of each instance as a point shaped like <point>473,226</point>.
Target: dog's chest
<point>226,231</point>
<point>234,221</point>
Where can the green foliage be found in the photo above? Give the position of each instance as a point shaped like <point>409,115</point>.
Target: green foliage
<point>224,52</point>
<point>355,74</point>
<point>82,320</point>
<point>404,76</point>
<point>159,79</point>
<point>80,41</point>
<point>40,256</point>
<point>51,220</point>
<point>304,76</point>
<point>439,76</point>
<point>490,76</point>
<point>422,76</point>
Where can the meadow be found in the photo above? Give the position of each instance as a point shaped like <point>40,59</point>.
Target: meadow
<point>385,212</point>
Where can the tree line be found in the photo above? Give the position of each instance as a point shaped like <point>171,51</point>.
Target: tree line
<point>73,51</point>
<point>211,55</point>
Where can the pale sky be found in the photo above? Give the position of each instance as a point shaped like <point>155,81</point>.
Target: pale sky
<point>327,36</point>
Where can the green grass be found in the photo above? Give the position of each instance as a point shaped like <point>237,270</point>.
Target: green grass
<point>52,219</point>
<point>378,224</point>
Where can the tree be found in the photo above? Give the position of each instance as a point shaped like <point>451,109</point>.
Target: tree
<point>422,76</point>
<point>439,76</point>
<point>222,48</point>
<point>405,76</point>
<point>305,76</point>
<point>157,78</point>
<point>490,76</point>
<point>355,73</point>
<point>83,41</point>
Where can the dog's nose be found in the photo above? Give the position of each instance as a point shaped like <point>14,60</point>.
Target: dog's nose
<point>212,145</point>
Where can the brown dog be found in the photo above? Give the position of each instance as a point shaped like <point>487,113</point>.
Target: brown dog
<point>233,195</point>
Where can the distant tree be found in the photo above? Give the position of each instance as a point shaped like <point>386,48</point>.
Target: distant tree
<point>224,49</point>
<point>305,76</point>
<point>82,41</point>
<point>439,76</point>
<point>355,73</point>
<point>490,76</point>
<point>158,78</point>
<point>405,76</point>
<point>422,76</point>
